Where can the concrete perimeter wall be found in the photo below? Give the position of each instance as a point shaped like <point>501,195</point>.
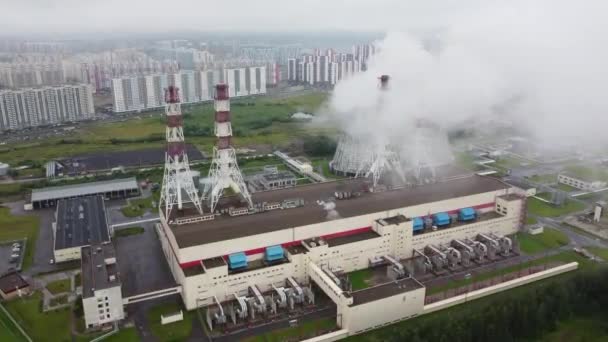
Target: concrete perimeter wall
<point>498,288</point>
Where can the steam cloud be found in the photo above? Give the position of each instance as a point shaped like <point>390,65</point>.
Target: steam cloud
<point>540,64</point>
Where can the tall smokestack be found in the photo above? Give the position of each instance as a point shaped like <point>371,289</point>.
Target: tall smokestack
<point>224,171</point>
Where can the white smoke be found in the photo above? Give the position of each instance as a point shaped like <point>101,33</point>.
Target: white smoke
<point>544,63</point>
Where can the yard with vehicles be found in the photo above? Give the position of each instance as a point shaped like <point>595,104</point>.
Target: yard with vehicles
<point>19,227</point>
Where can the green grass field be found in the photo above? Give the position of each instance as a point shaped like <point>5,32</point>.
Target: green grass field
<point>359,279</point>
<point>137,206</point>
<point>59,300</point>
<point>300,332</point>
<point>601,252</point>
<point>550,238</point>
<point>177,331</point>
<point>128,231</point>
<point>539,208</point>
<point>565,187</point>
<point>59,286</point>
<point>564,257</point>
<point>587,173</point>
<point>19,227</point>
<point>8,331</point>
<point>544,179</point>
<point>531,220</point>
<point>580,329</point>
<point>124,335</point>
<point>545,195</point>
<point>256,121</point>
<point>28,313</point>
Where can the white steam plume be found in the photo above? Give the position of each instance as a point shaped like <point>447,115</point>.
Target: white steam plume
<point>545,62</point>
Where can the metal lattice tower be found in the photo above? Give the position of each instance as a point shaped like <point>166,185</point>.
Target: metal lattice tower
<point>224,171</point>
<point>177,180</point>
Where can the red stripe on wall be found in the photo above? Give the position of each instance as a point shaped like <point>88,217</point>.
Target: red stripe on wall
<point>328,236</point>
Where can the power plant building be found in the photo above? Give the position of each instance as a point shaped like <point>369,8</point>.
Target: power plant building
<point>331,226</point>
<point>45,106</point>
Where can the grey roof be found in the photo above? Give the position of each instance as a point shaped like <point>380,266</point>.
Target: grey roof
<point>67,191</point>
<point>81,222</point>
<point>98,265</point>
<point>227,227</point>
<point>385,290</point>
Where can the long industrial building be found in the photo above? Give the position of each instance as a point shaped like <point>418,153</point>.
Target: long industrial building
<point>304,236</point>
<point>45,106</point>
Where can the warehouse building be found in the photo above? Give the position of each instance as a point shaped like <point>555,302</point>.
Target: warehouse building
<point>336,227</point>
<point>101,286</point>
<point>111,189</point>
<point>79,222</point>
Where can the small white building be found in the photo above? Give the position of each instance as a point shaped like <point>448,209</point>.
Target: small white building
<point>579,182</point>
<point>4,169</point>
<point>101,287</point>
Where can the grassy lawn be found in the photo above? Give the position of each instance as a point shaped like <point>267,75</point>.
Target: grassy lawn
<point>545,195</point>
<point>539,208</point>
<point>601,252</point>
<point>300,332</point>
<point>258,120</point>
<point>59,300</point>
<point>128,231</point>
<point>565,187</point>
<point>564,257</point>
<point>544,179</point>
<point>177,331</point>
<point>359,278</point>
<point>19,227</point>
<point>587,173</point>
<point>137,207</point>
<point>59,286</point>
<point>124,335</point>
<point>531,220</point>
<point>28,313</point>
<point>550,238</point>
<point>8,331</point>
<point>579,329</point>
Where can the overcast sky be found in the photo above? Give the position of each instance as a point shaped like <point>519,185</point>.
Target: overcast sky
<point>50,16</point>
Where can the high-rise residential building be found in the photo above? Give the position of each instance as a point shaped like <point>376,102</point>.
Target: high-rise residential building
<point>328,67</point>
<point>45,106</point>
<point>23,75</point>
<point>135,93</point>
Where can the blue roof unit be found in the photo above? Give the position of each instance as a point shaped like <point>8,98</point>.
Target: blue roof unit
<point>274,253</point>
<point>418,224</point>
<point>237,260</point>
<point>441,219</point>
<point>467,214</point>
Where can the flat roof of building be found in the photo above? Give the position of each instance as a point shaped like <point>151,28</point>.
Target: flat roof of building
<point>343,240</point>
<point>12,281</point>
<point>226,227</point>
<point>81,221</point>
<point>76,190</point>
<point>389,289</point>
<point>99,269</point>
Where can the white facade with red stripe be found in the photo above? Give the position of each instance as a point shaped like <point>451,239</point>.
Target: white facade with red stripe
<point>395,240</point>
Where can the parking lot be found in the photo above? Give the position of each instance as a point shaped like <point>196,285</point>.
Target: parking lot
<point>11,255</point>
<point>141,263</point>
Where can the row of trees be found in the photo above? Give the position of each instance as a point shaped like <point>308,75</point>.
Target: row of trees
<point>524,314</point>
